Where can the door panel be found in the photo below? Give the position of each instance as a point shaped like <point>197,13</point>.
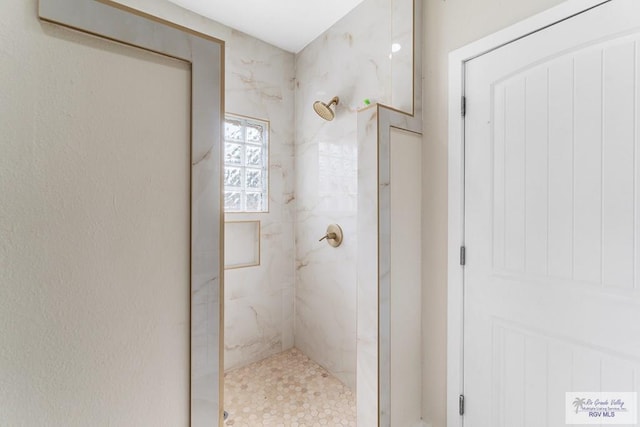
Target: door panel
<point>551,290</point>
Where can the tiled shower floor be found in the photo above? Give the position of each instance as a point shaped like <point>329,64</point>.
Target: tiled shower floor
<point>288,390</point>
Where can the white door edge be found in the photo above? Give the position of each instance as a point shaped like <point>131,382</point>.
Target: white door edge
<point>457,60</point>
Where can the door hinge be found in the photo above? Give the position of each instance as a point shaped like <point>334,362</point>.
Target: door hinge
<point>463,255</point>
<point>463,106</point>
<point>461,404</point>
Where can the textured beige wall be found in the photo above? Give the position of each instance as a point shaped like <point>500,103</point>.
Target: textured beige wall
<point>94,229</point>
<point>449,24</point>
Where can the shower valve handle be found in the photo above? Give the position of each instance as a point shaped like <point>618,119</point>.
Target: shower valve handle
<point>330,236</point>
<point>333,236</point>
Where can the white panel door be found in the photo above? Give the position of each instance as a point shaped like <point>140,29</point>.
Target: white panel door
<point>552,293</point>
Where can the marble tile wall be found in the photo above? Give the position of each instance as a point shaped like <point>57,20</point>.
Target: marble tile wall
<point>402,45</point>
<point>352,60</point>
<point>367,288</point>
<point>259,301</point>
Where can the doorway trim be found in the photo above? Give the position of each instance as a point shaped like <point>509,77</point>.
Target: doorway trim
<point>456,174</point>
<point>118,23</point>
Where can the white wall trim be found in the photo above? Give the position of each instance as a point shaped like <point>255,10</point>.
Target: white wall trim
<point>457,61</point>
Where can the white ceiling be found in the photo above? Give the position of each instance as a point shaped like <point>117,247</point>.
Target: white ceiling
<point>288,24</point>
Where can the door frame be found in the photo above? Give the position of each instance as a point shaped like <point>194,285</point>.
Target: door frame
<point>456,175</point>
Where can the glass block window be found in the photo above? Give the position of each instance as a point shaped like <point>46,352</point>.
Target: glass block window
<point>246,157</point>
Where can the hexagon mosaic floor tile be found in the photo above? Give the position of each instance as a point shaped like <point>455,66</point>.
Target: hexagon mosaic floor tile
<point>287,390</point>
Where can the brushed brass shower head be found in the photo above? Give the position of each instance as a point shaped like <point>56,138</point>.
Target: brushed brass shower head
<point>324,110</point>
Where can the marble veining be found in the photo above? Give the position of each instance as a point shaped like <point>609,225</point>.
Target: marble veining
<point>367,268</point>
<point>259,300</point>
